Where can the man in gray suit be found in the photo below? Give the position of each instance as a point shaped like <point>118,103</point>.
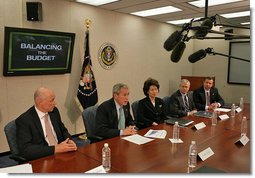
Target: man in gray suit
<point>181,102</point>
<point>40,131</point>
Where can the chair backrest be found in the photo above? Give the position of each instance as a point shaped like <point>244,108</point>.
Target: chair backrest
<point>167,100</point>
<point>10,133</point>
<point>134,107</point>
<point>89,119</point>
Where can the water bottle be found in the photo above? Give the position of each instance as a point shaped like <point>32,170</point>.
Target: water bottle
<point>241,103</point>
<point>214,118</point>
<point>233,110</point>
<point>244,126</point>
<point>176,131</point>
<point>192,160</point>
<point>106,157</point>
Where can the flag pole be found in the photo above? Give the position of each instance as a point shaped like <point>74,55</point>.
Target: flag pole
<point>87,25</point>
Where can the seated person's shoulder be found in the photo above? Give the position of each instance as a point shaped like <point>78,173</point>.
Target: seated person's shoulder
<point>159,99</point>
<point>141,101</point>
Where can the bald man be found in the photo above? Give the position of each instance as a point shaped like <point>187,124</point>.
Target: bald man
<point>37,138</point>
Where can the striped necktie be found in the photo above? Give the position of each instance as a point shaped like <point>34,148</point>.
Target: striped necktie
<point>49,133</point>
<point>186,103</point>
<point>207,98</point>
<point>121,124</point>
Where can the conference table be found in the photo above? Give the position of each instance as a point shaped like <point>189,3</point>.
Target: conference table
<point>160,155</point>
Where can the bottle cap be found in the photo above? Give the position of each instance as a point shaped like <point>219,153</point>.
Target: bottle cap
<point>244,117</point>
<point>193,142</point>
<point>106,145</point>
<point>176,122</point>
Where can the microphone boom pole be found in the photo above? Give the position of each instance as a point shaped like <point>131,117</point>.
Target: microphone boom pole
<point>241,59</point>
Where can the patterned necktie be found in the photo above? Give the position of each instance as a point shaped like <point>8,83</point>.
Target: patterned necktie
<point>49,133</point>
<point>121,124</point>
<point>207,98</point>
<point>186,103</point>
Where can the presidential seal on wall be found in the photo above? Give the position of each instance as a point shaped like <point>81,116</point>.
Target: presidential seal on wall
<point>107,55</point>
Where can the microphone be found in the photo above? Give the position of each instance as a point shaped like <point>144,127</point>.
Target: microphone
<point>178,51</point>
<point>208,24</point>
<point>200,54</point>
<point>172,40</point>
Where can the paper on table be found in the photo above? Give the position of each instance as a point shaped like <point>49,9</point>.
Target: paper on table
<point>175,141</point>
<point>99,169</point>
<point>224,116</point>
<point>156,134</point>
<point>223,109</point>
<point>22,168</point>
<point>137,139</point>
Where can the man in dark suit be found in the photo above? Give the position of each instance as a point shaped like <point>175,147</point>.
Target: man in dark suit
<point>113,116</point>
<point>40,131</point>
<point>207,97</point>
<point>181,102</point>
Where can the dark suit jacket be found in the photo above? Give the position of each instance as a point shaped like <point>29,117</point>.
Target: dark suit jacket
<point>107,119</point>
<point>200,98</point>
<point>30,138</point>
<point>177,108</point>
<point>147,113</point>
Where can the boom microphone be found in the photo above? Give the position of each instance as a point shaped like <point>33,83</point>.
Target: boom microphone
<point>172,40</point>
<point>208,23</point>
<point>178,51</point>
<point>200,54</point>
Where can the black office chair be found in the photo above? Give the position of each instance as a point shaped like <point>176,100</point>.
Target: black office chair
<point>134,107</point>
<point>167,100</point>
<point>89,120</point>
<point>10,133</point>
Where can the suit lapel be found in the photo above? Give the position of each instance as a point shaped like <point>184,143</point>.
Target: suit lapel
<point>37,121</point>
<point>150,105</point>
<point>181,100</point>
<point>114,114</point>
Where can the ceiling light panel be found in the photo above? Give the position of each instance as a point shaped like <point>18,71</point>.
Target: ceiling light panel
<point>236,14</point>
<point>182,21</point>
<point>245,23</point>
<point>96,2</point>
<point>201,3</point>
<point>157,11</point>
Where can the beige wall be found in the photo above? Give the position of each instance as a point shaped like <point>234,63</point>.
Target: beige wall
<point>141,55</point>
<point>217,65</point>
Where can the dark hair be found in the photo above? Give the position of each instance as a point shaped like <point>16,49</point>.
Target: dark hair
<point>149,82</point>
<point>209,78</point>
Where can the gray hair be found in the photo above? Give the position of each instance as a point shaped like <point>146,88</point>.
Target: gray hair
<point>185,81</point>
<point>117,87</point>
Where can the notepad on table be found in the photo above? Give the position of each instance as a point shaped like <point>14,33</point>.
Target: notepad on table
<point>181,121</point>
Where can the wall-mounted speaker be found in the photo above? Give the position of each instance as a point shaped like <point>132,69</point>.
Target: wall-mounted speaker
<point>34,11</point>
